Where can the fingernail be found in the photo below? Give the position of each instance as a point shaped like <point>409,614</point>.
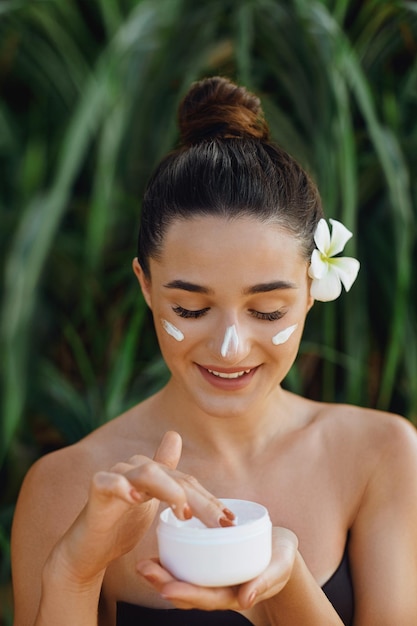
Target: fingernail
<point>223,521</point>
<point>150,578</point>
<point>229,514</point>
<point>252,598</point>
<point>142,569</point>
<point>187,512</point>
<point>135,495</point>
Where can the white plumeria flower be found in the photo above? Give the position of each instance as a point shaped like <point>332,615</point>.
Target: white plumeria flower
<point>328,271</point>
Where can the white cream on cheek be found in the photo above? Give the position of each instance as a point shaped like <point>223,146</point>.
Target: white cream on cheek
<point>172,330</point>
<point>283,335</point>
<point>230,343</point>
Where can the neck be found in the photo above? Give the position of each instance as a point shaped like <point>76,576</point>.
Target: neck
<point>227,431</point>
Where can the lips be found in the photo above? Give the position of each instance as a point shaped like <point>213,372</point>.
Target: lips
<point>227,378</point>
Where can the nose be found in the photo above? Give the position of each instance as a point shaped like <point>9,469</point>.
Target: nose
<point>230,345</point>
<point>229,342</point>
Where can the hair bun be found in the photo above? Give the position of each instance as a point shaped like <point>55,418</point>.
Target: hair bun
<point>216,107</point>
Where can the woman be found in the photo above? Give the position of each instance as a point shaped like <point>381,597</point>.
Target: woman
<point>227,262</point>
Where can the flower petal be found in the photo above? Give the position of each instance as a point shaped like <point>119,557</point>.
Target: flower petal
<point>347,269</point>
<point>340,236</point>
<point>327,288</point>
<point>322,236</point>
<point>318,268</point>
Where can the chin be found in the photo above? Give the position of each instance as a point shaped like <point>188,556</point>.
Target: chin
<point>225,407</point>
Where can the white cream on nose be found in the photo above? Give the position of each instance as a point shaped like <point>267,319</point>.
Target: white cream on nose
<point>283,335</point>
<point>230,343</point>
<point>172,330</point>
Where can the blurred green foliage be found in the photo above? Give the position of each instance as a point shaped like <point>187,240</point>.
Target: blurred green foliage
<point>89,90</point>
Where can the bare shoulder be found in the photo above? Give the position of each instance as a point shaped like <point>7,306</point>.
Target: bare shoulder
<point>383,535</point>
<point>59,481</point>
<point>373,431</point>
<point>53,494</point>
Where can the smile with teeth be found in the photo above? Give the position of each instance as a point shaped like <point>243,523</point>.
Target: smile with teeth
<point>229,374</point>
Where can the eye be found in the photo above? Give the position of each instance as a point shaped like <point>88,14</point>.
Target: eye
<point>269,317</point>
<point>181,312</point>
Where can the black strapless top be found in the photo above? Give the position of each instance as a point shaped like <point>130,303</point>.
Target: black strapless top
<point>338,589</point>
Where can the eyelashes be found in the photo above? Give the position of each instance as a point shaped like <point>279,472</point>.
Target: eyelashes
<point>269,317</point>
<point>186,313</point>
<point>189,314</point>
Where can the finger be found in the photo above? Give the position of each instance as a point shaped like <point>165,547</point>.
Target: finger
<point>123,466</point>
<point>186,596</point>
<point>274,578</point>
<point>109,499</point>
<point>129,471</point>
<point>154,573</point>
<point>204,505</point>
<point>168,454</point>
<point>169,450</point>
<point>107,485</point>
<point>152,480</point>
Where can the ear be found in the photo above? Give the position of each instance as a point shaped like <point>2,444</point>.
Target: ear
<point>310,302</point>
<point>144,282</point>
<point>310,299</point>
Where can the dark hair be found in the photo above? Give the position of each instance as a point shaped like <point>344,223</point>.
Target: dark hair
<point>227,166</point>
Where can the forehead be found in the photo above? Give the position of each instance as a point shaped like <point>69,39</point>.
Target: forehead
<point>244,249</point>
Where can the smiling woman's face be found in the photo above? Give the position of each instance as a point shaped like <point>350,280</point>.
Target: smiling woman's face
<point>221,292</point>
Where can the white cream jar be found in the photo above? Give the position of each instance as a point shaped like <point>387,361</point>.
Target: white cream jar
<point>216,557</point>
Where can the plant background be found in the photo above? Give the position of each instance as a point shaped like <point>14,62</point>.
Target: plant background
<point>88,95</point>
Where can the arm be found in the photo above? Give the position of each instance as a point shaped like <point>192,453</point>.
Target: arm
<point>383,541</point>
<point>301,601</point>
<point>384,535</point>
<point>40,520</point>
<point>66,532</point>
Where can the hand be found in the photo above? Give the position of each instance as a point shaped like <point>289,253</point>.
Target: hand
<point>239,597</point>
<point>122,504</point>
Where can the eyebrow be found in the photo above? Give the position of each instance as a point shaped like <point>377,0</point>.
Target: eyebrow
<point>187,286</point>
<point>275,285</point>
